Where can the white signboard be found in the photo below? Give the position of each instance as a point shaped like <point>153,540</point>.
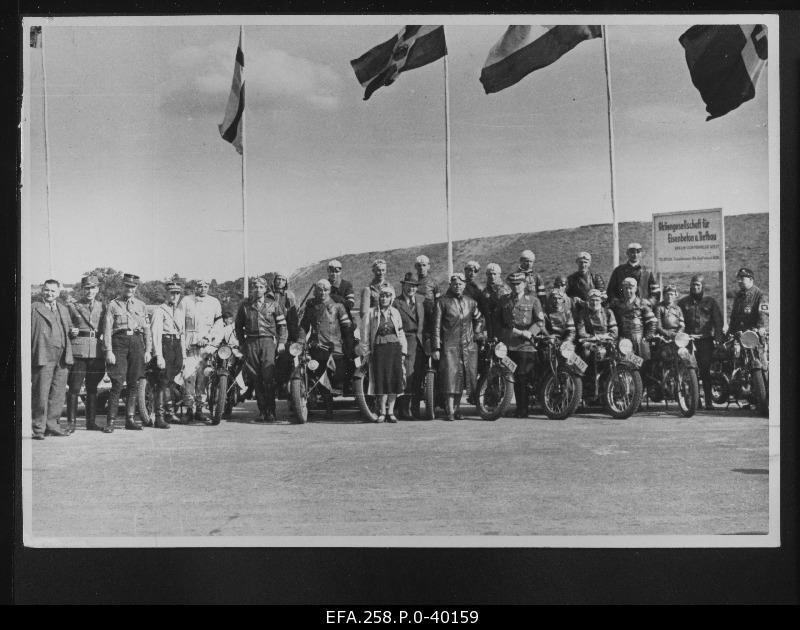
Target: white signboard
<point>693,240</point>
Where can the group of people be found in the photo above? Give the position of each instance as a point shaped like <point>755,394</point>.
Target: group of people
<point>398,335</point>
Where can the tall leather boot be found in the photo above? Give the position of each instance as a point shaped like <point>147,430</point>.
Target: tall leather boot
<point>130,410</point>
<point>708,399</point>
<point>159,406</point>
<point>170,415</point>
<point>91,412</point>
<point>111,412</point>
<point>72,412</point>
<point>521,397</point>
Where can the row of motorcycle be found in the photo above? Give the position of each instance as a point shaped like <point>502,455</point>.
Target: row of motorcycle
<point>602,373</point>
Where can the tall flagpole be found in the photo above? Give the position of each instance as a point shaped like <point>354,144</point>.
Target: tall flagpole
<point>246,279</point>
<point>614,225</point>
<point>447,171</point>
<point>46,157</point>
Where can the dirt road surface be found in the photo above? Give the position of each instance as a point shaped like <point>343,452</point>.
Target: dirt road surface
<point>655,473</point>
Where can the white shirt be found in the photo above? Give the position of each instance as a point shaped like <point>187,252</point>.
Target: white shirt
<point>200,315</point>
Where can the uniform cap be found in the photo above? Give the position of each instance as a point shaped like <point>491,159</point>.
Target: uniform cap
<point>631,281</point>
<point>584,256</point>
<point>458,276</point>
<point>409,278</point>
<point>744,272</point>
<point>88,281</point>
<point>634,245</point>
<point>493,267</point>
<point>516,277</point>
<point>595,293</point>
<point>423,260</point>
<point>473,264</point>
<point>130,280</point>
<point>200,281</point>
<point>174,287</point>
<point>527,255</point>
<point>335,264</point>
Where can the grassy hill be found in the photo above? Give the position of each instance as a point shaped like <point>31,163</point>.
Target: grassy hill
<point>746,238</point>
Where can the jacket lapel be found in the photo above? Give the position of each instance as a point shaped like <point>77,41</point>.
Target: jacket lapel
<point>44,311</point>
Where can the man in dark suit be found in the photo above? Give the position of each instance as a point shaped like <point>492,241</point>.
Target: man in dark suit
<point>411,307</point>
<point>51,357</point>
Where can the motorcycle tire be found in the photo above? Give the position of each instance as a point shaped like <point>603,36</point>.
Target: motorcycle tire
<point>365,402</point>
<point>145,398</point>
<point>220,398</point>
<point>622,395</point>
<point>564,405</point>
<point>494,395</point>
<point>688,391</point>
<point>430,396</point>
<point>759,389</point>
<point>299,397</point>
<point>720,389</point>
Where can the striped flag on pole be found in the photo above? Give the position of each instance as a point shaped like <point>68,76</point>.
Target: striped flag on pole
<point>412,47</point>
<point>232,127</point>
<point>725,62</point>
<point>523,49</point>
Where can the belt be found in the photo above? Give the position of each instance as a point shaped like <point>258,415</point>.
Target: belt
<point>86,333</point>
<point>169,336</point>
<point>249,336</point>
<point>127,332</point>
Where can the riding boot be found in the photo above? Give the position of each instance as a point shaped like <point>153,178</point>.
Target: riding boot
<point>328,405</point>
<point>91,412</point>
<point>521,398</point>
<point>72,411</point>
<point>111,412</point>
<point>169,411</point>
<point>708,398</point>
<point>160,422</point>
<point>130,410</point>
<point>448,409</point>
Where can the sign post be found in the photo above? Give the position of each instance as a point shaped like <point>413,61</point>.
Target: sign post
<point>691,241</point>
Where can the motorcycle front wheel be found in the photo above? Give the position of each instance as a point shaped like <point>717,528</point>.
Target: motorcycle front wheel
<point>687,391</point>
<point>365,402</point>
<point>720,388</point>
<point>494,394</point>
<point>146,401</point>
<point>430,396</point>
<point>220,398</point>
<point>299,396</point>
<point>623,393</point>
<point>560,394</point>
<point>759,389</point>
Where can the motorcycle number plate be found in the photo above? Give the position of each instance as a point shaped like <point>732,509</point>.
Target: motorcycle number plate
<point>508,364</point>
<point>579,363</point>
<point>635,359</point>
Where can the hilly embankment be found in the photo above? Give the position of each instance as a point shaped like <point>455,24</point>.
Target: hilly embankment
<point>746,238</point>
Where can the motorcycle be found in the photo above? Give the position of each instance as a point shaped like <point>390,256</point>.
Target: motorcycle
<point>671,373</point>
<point>612,379</point>
<point>740,371</point>
<point>222,370</point>
<point>557,376</point>
<point>496,383</point>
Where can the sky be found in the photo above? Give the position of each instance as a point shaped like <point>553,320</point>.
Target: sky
<point>140,179</point>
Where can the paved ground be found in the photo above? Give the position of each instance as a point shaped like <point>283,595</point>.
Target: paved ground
<point>655,473</point>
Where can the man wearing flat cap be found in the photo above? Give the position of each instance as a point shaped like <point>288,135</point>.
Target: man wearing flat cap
<point>750,306</point>
<point>201,311</point>
<point>169,350</point>
<point>533,281</point>
<point>522,318</point>
<point>89,364</point>
<point>261,327</point>
<point>632,268</point>
<point>492,294</point>
<point>339,287</point>
<point>411,307</point>
<point>51,358</point>
<point>702,316</point>
<point>457,326</point>
<point>128,346</point>
<point>635,318</point>
<point>582,281</point>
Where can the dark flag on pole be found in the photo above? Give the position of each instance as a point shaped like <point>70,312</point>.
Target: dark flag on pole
<point>725,62</point>
<point>231,128</point>
<point>412,47</point>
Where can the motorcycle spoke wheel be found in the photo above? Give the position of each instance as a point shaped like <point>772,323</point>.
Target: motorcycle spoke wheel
<point>560,395</point>
<point>686,390</point>
<point>623,393</point>
<point>494,395</point>
<point>299,398</point>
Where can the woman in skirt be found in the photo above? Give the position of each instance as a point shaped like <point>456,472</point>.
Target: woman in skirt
<point>383,341</point>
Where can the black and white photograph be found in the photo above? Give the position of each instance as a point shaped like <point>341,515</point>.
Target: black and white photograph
<point>341,281</point>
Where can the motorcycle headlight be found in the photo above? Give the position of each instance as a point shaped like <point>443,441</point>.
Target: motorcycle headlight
<point>500,350</point>
<point>683,353</point>
<point>296,349</point>
<point>208,371</point>
<point>682,340</point>
<point>312,364</point>
<point>625,346</point>
<point>224,352</point>
<point>749,339</point>
<point>567,349</point>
